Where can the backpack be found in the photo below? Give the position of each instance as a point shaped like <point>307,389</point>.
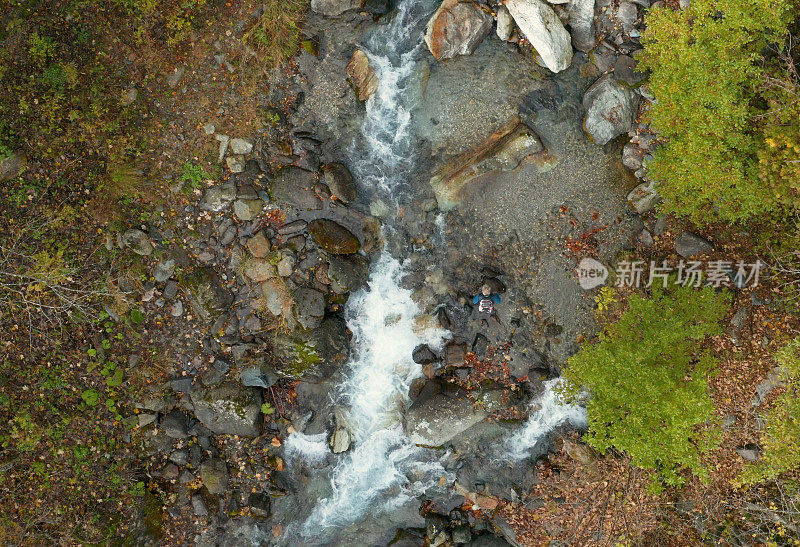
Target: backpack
<point>486,305</point>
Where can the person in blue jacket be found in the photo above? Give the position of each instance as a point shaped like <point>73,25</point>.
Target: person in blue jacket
<point>485,300</point>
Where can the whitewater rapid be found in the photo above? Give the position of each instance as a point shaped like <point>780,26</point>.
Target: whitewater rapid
<point>383,471</point>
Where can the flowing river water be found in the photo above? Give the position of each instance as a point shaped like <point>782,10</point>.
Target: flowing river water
<point>383,475</point>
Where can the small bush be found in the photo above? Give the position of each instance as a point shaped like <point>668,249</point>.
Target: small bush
<point>276,35</point>
<point>646,380</point>
<point>781,436</point>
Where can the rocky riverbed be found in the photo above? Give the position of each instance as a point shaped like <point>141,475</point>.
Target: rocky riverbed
<point>501,160</point>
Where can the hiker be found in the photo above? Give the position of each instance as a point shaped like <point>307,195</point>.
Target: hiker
<point>486,300</point>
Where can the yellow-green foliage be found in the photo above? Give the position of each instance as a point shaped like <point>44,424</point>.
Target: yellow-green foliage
<point>706,64</point>
<point>781,437</point>
<point>646,377</point>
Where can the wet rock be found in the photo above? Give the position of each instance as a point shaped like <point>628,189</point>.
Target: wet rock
<point>240,146</point>
<point>456,28</point>
<point>340,182</point>
<point>309,307</point>
<point>258,245</point>
<point>379,209</point>
<point>347,273</point>
<point>217,197</point>
<point>316,354</point>
<point>332,8</point>
<point>12,166</point>
<point>260,269</point>
<point>610,109</point>
<point>294,186</point>
<point>229,409</point>
<point>137,241</point>
<point>510,147</point>
<point>688,244</point>
<point>206,294</point>
<point>247,209</point>
<point>461,534</point>
<point>544,30</point>
<point>436,420</point>
<point>581,23</point>
<point>423,355</point>
<point>644,197</point>
<point>454,354</point>
<point>362,75</point>
<point>260,505</point>
<point>333,237</point>
<point>340,440</point>
<point>214,474</point>
<point>175,424</point>
<point>505,24</point>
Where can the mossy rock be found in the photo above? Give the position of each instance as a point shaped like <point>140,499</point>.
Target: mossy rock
<point>333,237</point>
<point>316,354</point>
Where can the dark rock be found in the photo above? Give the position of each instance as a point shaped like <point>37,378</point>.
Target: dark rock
<point>309,307</point>
<point>217,197</point>
<point>340,182</point>
<point>347,273</point>
<point>207,295</point>
<point>182,385</point>
<point>454,354</point>
<point>199,506</point>
<point>179,457</point>
<point>175,424</point>
<point>625,70</point>
<point>423,355</point>
<point>229,409</point>
<point>260,505</point>
<point>333,237</point>
<point>260,375</point>
<point>214,474</point>
<point>479,345</point>
<point>688,244</point>
<point>294,186</point>
<point>170,290</point>
<point>316,354</point>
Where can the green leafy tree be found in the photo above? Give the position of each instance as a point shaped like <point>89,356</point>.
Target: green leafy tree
<point>704,76</point>
<point>646,379</point>
<point>781,436</point>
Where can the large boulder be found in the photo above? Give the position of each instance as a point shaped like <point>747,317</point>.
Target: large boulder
<point>340,182</point>
<point>581,24</point>
<point>456,28</point>
<point>313,355</point>
<point>510,147</point>
<point>544,30</point>
<point>294,186</point>
<point>332,8</point>
<point>610,109</point>
<point>229,409</point>
<point>333,237</point>
<point>435,420</point>
<point>214,474</point>
<point>362,75</point>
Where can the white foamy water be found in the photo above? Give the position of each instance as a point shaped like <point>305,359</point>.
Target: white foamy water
<point>547,413</point>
